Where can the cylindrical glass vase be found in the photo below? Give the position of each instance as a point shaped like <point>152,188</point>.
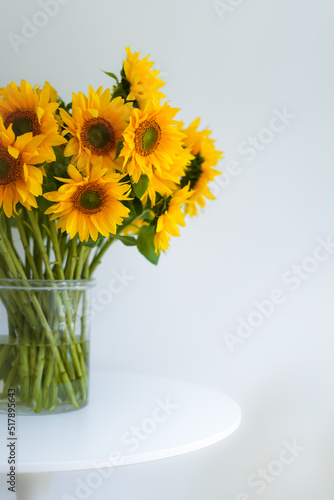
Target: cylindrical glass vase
<point>44,345</point>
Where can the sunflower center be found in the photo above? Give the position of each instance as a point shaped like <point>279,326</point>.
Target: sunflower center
<point>10,168</point>
<point>90,199</point>
<point>23,121</point>
<point>98,136</point>
<point>4,168</point>
<point>147,137</point>
<point>150,138</point>
<point>193,172</point>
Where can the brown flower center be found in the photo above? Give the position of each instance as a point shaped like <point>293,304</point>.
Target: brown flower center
<point>10,168</point>
<point>98,136</point>
<point>23,121</point>
<point>90,198</point>
<point>147,137</point>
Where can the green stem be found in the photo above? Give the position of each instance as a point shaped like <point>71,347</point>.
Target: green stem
<point>32,361</point>
<point>17,271</point>
<point>40,244</point>
<point>98,256</point>
<point>99,253</point>
<point>12,375</point>
<point>24,366</point>
<point>25,244</point>
<point>54,390</point>
<point>84,252</point>
<point>40,360</point>
<point>75,348</point>
<point>4,353</point>
<point>7,252</point>
<point>56,249</point>
<point>37,393</point>
<point>62,238</point>
<point>71,259</point>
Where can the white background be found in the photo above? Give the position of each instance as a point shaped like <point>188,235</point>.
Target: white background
<point>232,67</point>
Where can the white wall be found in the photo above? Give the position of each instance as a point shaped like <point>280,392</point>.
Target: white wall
<point>236,70</point>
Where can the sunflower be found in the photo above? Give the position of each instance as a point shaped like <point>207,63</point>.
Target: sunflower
<point>171,218</point>
<point>53,94</point>
<point>142,82</point>
<point>167,181</point>
<point>89,205</point>
<point>151,141</point>
<point>20,180</point>
<point>200,172</point>
<point>30,110</point>
<point>96,124</point>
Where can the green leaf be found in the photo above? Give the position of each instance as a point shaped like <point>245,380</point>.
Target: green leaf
<point>91,243</point>
<point>61,103</point>
<point>49,186</point>
<point>112,75</point>
<point>145,244</point>
<point>141,187</point>
<point>60,158</point>
<point>138,206</point>
<point>119,148</point>
<point>43,204</point>
<point>129,241</point>
<point>56,168</point>
<point>132,214</point>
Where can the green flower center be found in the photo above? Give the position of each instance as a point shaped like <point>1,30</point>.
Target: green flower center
<point>150,138</point>
<point>90,200</point>
<point>22,126</point>
<point>98,136</point>
<point>193,172</point>
<point>10,168</point>
<point>147,137</point>
<point>23,121</point>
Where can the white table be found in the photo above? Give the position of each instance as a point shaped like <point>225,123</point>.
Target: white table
<point>131,418</point>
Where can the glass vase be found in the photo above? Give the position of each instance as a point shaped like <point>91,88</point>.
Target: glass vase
<point>44,345</point>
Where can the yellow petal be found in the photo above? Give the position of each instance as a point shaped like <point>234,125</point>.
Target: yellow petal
<point>13,152</point>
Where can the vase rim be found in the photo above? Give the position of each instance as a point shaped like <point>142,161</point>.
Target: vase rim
<point>38,284</point>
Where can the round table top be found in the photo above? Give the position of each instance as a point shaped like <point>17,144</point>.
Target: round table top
<point>131,418</point>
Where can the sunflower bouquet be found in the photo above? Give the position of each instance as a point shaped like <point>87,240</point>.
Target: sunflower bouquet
<point>113,165</point>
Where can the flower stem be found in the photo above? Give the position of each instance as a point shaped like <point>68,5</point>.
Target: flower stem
<point>98,256</point>
<point>17,271</point>
<point>26,248</point>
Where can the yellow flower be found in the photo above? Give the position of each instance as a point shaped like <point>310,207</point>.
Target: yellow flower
<point>171,218</point>
<point>90,205</point>
<point>143,82</point>
<point>20,180</point>
<point>167,181</point>
<point>151,141</point>
<point>200,172</point>
<point>30,110</point>
<point>53,95</point>
<point>96,125</point>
